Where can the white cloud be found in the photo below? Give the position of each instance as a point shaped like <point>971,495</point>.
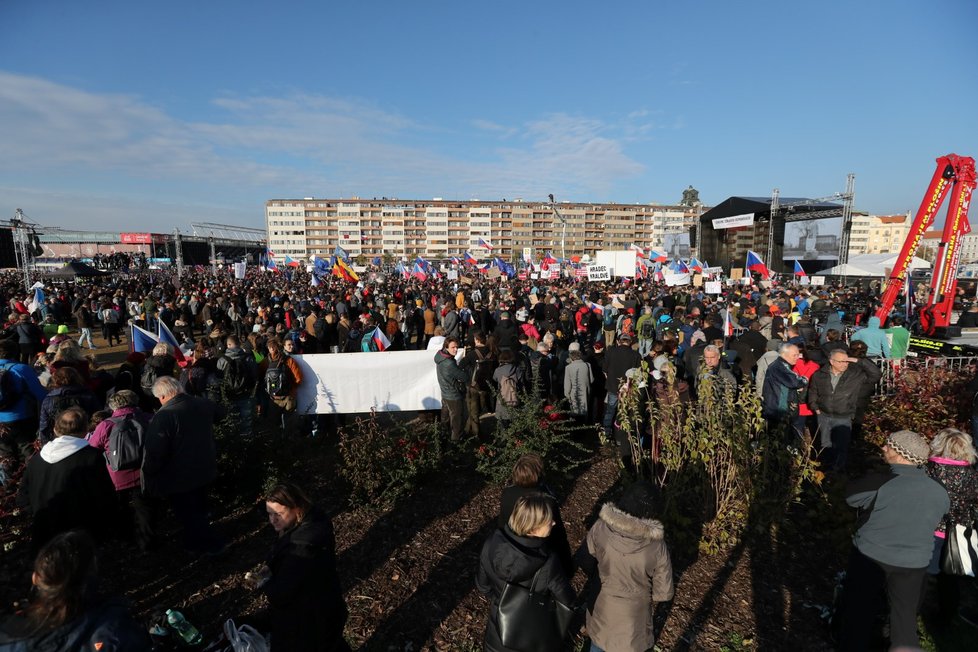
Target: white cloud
<point>297,144</point>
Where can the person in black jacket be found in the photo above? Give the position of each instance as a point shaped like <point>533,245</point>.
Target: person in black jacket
<point>528,480</point>
<point>66,485</point>
<point>833,395</point>
<point>306,607</point>
<point>66,612</point>
<point>180,460</point>
<point>515,554</point>
<point>617,360</point>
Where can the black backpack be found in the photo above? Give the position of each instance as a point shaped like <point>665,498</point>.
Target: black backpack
<point>239,378</point>
<point>648,329</point>
<point>278,380</point>
<point>148,377</point>
<point>9,388</point>
<point>197,380</point>
<point>125,444</point>
<point>63,401</point>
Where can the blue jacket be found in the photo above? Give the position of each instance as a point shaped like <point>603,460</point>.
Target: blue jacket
<point>23,381</point>
<point>875,338</point>
<point>107,626</point>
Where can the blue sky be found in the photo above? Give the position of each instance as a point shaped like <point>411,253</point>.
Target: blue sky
<point>139,116</point>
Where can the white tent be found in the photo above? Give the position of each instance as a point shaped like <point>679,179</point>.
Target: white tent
<point>871,265</point>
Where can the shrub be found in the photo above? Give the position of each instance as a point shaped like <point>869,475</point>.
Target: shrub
<point>383,462</point>
<point>721,466</point>
<point>538,427</point>
<point>923,399</point>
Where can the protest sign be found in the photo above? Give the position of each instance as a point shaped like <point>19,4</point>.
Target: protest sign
<point>598,273</point>
<point>713,287</point>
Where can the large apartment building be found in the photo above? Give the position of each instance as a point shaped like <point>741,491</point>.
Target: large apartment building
<point>878,234</point>
<point>439,229</point>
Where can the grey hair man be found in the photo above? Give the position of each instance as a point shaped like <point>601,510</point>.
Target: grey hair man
<point>181,460</point>
<point>833,395</point>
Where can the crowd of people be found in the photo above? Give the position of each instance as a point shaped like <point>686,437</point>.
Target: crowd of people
<point>72,426</point>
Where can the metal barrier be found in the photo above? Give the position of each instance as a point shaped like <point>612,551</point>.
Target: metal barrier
<point>891,368</point>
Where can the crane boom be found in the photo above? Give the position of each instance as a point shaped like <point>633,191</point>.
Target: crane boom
<point>955,175</point>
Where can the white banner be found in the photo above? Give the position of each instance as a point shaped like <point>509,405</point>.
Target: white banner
<point>817,280</point>
<point>713,287</point>
<point>239,270</point>
<point>347,383</point>
<point>733,221</point>
<point>598,273</point>
<point>677,279</point>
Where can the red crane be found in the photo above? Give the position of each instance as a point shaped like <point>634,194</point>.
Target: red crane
<point>956,175</point>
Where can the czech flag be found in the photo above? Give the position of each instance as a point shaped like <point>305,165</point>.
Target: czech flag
<point>635,247</point>
<point>291,263</point>
<point>483,243</point>
<point>755,264</point>
<point>657,257</point>
<point>455,260</point>
<point>470,259</point>
<point>799,271</point>
<point>418,272</point>
<point>141,340</point>
<point>728,327</point>
<point>164,334</point>
<point>380,340</point>
<point>696,265</point>
<point>549,259</point>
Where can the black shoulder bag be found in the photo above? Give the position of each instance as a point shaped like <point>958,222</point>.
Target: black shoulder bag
<point>532,621</point>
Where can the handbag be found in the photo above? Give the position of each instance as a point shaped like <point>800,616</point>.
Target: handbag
<point>959,556</point>
<point>531,621</point>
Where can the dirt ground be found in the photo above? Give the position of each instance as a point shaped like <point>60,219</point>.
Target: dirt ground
<point>409,570</point>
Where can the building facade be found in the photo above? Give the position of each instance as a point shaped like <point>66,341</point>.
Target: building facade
<point>878,234</point>
<point>440,229</point>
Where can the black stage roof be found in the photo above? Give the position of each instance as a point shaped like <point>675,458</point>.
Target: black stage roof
<point>743,205</point>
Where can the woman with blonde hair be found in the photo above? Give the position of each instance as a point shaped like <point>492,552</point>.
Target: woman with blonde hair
<point>951,463</point>
<point>518,554</point>
<point>69,354</point>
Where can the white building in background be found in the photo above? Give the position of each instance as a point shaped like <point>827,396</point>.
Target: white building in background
<point>439,229</point>
<point>878,234</point>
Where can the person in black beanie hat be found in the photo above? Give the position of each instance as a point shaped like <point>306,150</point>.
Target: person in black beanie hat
<point>628,546</point>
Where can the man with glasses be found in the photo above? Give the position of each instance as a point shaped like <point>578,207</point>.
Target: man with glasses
<point>833,395</point>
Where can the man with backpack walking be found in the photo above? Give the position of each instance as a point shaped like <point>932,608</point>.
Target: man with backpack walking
<point>282,380</point>
<point>122,438</point>
<point>239,378</point>
<point>645,327</point>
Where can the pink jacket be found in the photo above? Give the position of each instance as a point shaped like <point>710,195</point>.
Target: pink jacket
<point>100,440</point>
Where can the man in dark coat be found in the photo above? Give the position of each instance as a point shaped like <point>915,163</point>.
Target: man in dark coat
<point>781,393</point>
<point>506,334</point>
<point>833,395</point>
<point>617,360</point>
<point>452,381</point>
<point>181,460</point>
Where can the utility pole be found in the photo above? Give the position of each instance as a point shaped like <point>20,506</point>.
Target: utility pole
<point>213,257</point>
<point>563,233</point>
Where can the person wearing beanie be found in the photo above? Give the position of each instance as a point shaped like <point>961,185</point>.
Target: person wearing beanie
<point>627,546</point>
<point>892,548</point>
